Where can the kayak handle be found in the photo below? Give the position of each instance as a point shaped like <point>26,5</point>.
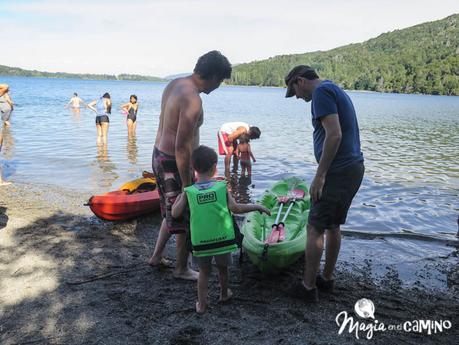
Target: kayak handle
<point>264,254</point>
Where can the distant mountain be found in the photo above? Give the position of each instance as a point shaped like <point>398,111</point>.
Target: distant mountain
<point>420,59</point>
<point>19,72</point>
<point>175,76</point>
<point>138,77</point>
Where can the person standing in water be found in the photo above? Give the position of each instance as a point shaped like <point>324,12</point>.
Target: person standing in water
<point>102,108</point>
<point>177,136</point>
<point>131,110</point>
<point>245,155</point>
<point>2,181</point>
<point>75,102</point>
<point>6,105</point>
<point>227,138</point>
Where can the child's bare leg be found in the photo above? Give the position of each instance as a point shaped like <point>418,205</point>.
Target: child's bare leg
<point>225,292</point>
<point>242,169</point>
<point>203,286</point>
<point>249,170</point>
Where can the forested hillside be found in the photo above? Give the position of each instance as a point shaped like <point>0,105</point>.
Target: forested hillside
<point>19,72</point>
<point>420,59</point>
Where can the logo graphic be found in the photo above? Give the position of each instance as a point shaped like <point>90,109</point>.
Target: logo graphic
<point>365,308</point>
<point>206,198</point>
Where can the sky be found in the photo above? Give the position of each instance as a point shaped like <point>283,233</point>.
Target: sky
<point>164,37</point>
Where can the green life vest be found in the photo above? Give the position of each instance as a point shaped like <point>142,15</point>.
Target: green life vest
<point>211,224</point>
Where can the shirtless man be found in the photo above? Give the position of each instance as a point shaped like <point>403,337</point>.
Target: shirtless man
<point>177,137</point>
<point>75,102</point>
<point>227,138</point>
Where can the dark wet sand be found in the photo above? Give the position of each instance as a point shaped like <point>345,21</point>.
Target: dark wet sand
<point>69,278</point>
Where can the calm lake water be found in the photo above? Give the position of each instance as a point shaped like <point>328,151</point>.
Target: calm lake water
<point>410,144</point>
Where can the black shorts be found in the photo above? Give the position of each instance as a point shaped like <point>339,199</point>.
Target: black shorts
<point>101,118</point>
<point>340,188</point>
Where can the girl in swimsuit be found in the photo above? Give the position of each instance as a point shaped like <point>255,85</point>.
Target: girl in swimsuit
<point>102,108</point>
<point>244,153</point>
<point>131,109</point>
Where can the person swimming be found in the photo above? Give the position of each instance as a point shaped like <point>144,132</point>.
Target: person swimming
<point>75,102</point>
<point>131,109</point>
<point>103,108</point>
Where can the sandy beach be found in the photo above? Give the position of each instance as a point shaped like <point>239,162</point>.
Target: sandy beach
<point>69,278</point>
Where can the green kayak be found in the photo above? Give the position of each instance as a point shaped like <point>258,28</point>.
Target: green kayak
<point>273,257</point>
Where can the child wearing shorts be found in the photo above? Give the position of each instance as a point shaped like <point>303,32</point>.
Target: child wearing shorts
<point>211,224</point>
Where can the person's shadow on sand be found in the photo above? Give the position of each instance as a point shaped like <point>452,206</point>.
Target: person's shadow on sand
<point>3,217</point>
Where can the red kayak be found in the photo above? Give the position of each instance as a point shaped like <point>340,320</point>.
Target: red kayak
<point>133,199</point>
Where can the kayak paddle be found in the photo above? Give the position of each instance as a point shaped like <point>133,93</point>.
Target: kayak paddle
<point>274,236</point>
<point>295,195</point>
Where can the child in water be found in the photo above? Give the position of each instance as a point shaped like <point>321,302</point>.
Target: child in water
<point>211,224</point>
<point>244,153</point>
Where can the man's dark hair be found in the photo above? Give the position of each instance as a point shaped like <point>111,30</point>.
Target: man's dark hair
<point>213,65</point>
<point>203,158</point>
<point>254,132</point>
<point>75,94</point>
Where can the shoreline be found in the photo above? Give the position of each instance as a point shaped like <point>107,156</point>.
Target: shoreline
<point>223,85</point>
<point>69,278</point>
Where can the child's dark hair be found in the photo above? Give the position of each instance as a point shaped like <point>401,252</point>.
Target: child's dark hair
<point>244,139</point>
<point>203,158</point>
<point>106,95</point>
<point>213,64</point>
<point>133,96</point>
<point>254,132</point>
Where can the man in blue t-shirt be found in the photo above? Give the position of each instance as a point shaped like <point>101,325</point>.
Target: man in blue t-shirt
<point>338,176</point>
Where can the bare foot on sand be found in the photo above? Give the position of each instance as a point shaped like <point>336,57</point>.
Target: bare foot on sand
<point>201,309</point>
<point>226,298</point>
<point>161,263</point>
<point>4,183</point>
<point>189,274</point>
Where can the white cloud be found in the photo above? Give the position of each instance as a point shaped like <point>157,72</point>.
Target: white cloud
<point>166,37</point>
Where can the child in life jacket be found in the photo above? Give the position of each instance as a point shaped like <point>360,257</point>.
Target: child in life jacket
<point>211,224</point>
<point>245,155</point>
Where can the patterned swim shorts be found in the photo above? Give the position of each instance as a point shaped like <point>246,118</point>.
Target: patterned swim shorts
<point>169,186</point>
